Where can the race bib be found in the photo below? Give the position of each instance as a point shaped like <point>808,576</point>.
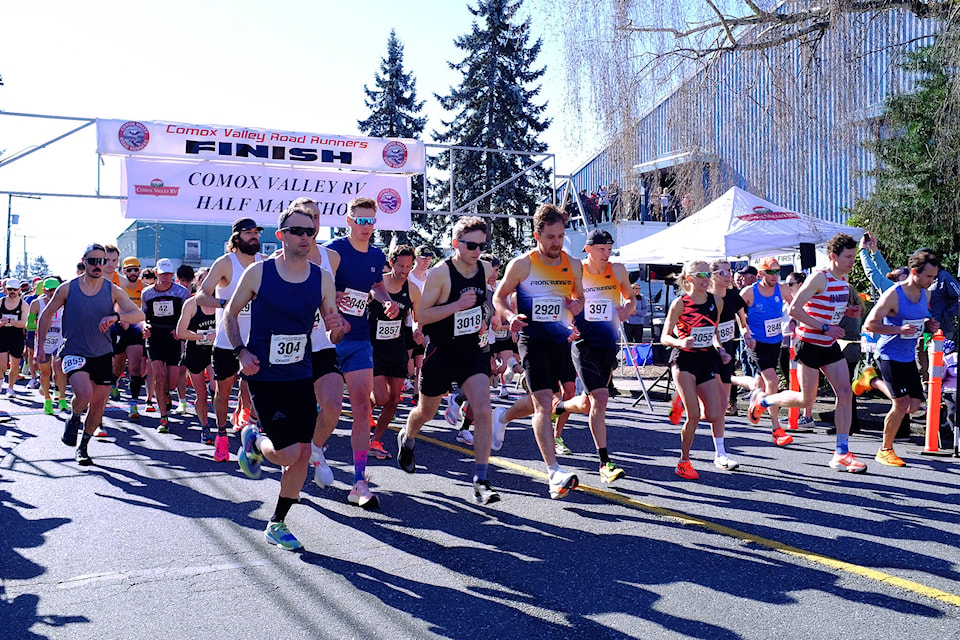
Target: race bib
<point>468,321</point>
<point>317,320</point>
<point>73,363</point>
<point>51,342</point>
<point>547,309</point>
<point>388,329</point>
<point>918,324</point>
<point>206,336</point>
<point>838,315</point>
<point>772,327</point>
<point>354,302</point>
<point>501,334</point>
<point>245,312</point>
<point>702,337</point>
<point>599,310</point>
<point>10,317</point>
<point>287,349</point>
<point>163,308</point>
<point>484,339</point>
<point>725,329</point>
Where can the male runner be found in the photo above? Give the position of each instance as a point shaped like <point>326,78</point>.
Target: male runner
<point>113,261</point>
<point>818,307</point>
<point>13,318</point>
<point>548,286</point>
<point>128,340</point>
<point>283,294</point>
<point>899,318</point>
<point>90,306</point>
<point>451,313</point>
<point>605,285</point>
<point>359,275</point>
<point>219,285</point>
<point>423,256</point>
<point>162,304</point>
<point>52,343</point>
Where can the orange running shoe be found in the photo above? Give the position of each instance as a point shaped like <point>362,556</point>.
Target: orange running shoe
<point>755,412</point>
<point>781,437</point>
<point>889,458</point>
<point>862,384</point>
<point>686,471</point>
<point>377,450</point>
<point>676,410</point>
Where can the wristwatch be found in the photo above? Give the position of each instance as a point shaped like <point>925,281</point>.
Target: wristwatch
<point>825,328</point>
<point>237,350</point>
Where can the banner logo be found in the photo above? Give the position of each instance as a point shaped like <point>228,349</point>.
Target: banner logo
<point>764,213</point>
<point>395,154</point>
<point>133,136</point>
<point>388,200</point>
<point>156,188</point>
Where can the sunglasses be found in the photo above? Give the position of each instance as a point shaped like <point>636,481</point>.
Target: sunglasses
<point>722,272</point>
<point>95,261</point>
<point>473,246</point>
<point>771,272</point>
<point>699,274</point>
<point>301,231</point>
<point>790,284</point>
<point>132,269</point>
<point>364,222</point>
<point>17,289</point>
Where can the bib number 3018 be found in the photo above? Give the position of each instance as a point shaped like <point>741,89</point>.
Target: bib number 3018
<point>468,321</point>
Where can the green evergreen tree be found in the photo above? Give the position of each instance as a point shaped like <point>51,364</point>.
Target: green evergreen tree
<point>494,108</point>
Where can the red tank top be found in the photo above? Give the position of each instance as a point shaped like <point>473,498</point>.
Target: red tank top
<point>699,321</point>
<point>827,307</point>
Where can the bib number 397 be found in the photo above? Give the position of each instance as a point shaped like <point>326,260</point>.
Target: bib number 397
<point>547,309</point>
<point>598,311</point>
<point>468,321</point>
<point>287,349</point>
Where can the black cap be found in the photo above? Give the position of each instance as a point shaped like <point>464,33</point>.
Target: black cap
<point>245,224</point>
<point>599,236</point>
<point>749,270</point>
<point>423,251</point>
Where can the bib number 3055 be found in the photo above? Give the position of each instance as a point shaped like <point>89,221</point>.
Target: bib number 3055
<point>287,349</point>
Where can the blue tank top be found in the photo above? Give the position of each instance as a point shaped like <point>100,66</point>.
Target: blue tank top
<point>900,348</point>
<point>765,317</point>
<point>281,319</point>
<point>356,275</point>
<point>81,321</point>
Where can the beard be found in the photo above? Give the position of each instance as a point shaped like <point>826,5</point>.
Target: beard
<point>249,248</point>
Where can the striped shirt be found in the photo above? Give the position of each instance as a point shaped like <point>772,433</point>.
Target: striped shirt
<point>827,308</point>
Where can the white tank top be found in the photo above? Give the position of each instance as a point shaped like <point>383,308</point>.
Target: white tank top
<point>319,339</point>
<point>226,292</point>
<point>55,333</point>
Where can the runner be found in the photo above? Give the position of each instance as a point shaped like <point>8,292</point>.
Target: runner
<point>503,346</point>
<point>818,307</point>
<point>282,294</point>
<point>243,250</point>
<point>128,342</point>
<point>162,304</point>
<point>36,290</point>
<point>359,275</point>
<point>390,356</point>
<point>764,320</point>
<point>451,312</point>
<point>186,278</point>
<point>691,329</point>
<point>605,286</point>
<point>13,320</point>
<point>149,278</point>
<point>90,306</point>
<point>423,256</point>
<point>197,326</point>
<point>547,282</point>
<point>113,261</point>
<point>53,340</point>
<point>899,318</point>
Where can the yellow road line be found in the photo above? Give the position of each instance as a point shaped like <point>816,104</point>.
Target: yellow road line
<point>812,556</point>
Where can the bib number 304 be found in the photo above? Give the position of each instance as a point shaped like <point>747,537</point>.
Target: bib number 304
<point>287,349</point>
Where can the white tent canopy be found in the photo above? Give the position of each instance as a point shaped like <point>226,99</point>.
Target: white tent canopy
<point>735,225</point>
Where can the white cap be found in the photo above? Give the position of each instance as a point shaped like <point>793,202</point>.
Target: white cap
<point>13,283</point>
<point>165,265</point>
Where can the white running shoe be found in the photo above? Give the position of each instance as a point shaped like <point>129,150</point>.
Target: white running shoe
<point>562,483</point>
<point>465,437</point>
<point>453,414</point>
<point>725,462</point>
<point>499,428</point>
<point>322,473</point>
<point>509,374</point>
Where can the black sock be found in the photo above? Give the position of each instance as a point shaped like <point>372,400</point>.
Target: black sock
<point>465,423</point>
<point>560,409</point>
<point>604,456</point>
<point>136,383</point>
<point>283,507</point>
<point>84,440</point>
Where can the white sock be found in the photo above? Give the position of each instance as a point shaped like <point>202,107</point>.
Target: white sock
<point>718,445</point>
<point>553,468</point>
<point>315,452</point>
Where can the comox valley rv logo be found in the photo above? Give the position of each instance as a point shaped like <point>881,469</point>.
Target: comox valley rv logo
<point>765,213</point>
<point>395,154</point>
<point>388,200</point>
<point>155,188</point>
<point>133,136</point>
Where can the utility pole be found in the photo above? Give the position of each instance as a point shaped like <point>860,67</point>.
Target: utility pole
<point>10,197</point>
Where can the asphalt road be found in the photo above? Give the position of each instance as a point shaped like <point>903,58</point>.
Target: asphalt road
<point>158,541</point>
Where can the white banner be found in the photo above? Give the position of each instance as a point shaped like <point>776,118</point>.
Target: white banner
<point>243,144</point>
<point>223,192</point>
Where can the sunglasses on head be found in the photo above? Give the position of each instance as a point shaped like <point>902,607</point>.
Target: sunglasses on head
<point>722,272</point>
<point>301,231</point>
<point>364,222</point>
<point>95,261</point>
<point>771,272</point>
<point>699,274</point>
<point>473,246</point>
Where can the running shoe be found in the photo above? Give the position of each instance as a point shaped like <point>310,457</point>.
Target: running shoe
<point>561,448</point>
<point>362,497</point>
<point>847,462</point>
<point>405,457</point>
<point>407,385</point>
<point>377,450</point>
<point>804,421</point>
<point>499,428</point>
<point>221,449</point>
<point>70,429</point>
<point>862,383</point>
<point>114,392</point>
<point>100,432</point>
<point>465,437</point>
<point>509,375</point>
<point>277,533</point>
<point>133,414</point>
<point>164,426</point>
<point>610,472</point>
<point>686,471</point>
<point>241,418</point>
<point>181,408</point>
<point>48,406</point>
<point>781,437</point>
<point>322,473</point>
<point>725,462</point>
<point>483,493</point>
<point>504,392</point>
<point>562,483</point>
<point>82,457</point>
<point>63,405</point>
<point>676,409</point>
<point>732,410</point>
<point>248,456</point>
<point>889,458</point>
<point>150,408</point>
<point>33,384</point>
<point>453,414</point>
<point>755,412</point>
<point>206,435</point>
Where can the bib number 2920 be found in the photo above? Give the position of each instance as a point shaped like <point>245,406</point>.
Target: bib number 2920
<point>547,309</point>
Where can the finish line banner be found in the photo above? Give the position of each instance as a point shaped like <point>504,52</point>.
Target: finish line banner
<point>220,192</point>
<point>267,146</point>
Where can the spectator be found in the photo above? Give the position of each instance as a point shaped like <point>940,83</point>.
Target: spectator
<point>944,301</point>
<point>633,327</point>
<point>613,192</point>
<point>603,202</point>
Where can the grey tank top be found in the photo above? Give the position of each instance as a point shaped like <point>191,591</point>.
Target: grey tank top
<point>81,322</point>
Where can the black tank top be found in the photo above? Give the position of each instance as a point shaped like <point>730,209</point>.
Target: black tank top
<point>201,322</point>
<point>461,330</point>
<point>9,331</point>
<point>384,329</point>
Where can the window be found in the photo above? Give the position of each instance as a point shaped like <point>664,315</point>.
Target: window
<point>268,247</point>
<point>191,252</point>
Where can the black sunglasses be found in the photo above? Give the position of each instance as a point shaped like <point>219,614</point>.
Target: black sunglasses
<point>132,269</point>
<point>473,246</point>
<point>95,261</point>
<point>301,231</point>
